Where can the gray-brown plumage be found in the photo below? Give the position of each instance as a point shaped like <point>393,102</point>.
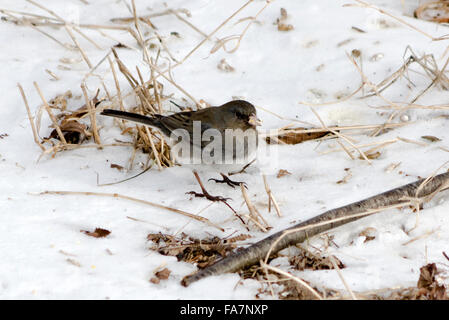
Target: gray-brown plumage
<point>237,114</point>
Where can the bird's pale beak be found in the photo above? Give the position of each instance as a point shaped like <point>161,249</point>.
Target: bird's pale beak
<point>254,121</point>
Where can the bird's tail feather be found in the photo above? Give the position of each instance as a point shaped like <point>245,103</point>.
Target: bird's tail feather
<point>130,116</point>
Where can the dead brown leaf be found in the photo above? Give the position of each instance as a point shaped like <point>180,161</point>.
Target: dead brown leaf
<point>225,66</point>
<point>240,237</point>
<point>435,11</point>
<point>285,27</point>
<point>309,260</point>
<point>291,137</point>
<point>280,22</point>
<point>155,280</point>
<point>371,156</point>
<point>203,252</point>
<point>282,173</point>
<point>429,288</point>
<point>163,274</point>
<point>117,166</point>
<point>60,101</point>
<point>369,233</point>
<point>431,138</point>
<point>97,233</point>
<point>73,131</point>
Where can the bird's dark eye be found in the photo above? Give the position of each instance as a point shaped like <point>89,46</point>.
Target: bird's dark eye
<point>239,115</point>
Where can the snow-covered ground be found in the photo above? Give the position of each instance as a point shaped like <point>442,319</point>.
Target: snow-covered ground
<point>43,254</point>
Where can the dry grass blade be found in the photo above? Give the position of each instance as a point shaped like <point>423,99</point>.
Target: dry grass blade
<point>120,196</point>
<point>160,73</point>
<point>254,213</point>
<point>286,130</point>
<point>30,117</point>
<point>215,31</point>
<point>428,180</point>
<point>368,5</point>
<point>362,154</point>
<point>93,120</point>
<point>387,82</point>
<point>83,54</point>
<point>222,42</point>
<point>65,23</point>
<point>296,279</point>
<point>332,259</point>
<point>117,85</point>
<point>32,23</point>
<point>50,114</point>
<point>419,143</point>
<point>271,198</point>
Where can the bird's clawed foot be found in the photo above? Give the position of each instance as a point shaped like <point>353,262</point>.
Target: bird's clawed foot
<point>206,194</point>
<point>228,181</point>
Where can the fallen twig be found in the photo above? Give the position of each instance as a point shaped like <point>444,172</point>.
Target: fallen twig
<point>324,222</point>
<point>117,195</point>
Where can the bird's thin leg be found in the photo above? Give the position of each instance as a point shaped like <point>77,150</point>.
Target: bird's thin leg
<point>228,181</point>
<point>242,170</point>
<point>206,194</point>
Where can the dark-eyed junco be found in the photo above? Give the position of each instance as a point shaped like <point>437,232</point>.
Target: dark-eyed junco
<point>223,133</point>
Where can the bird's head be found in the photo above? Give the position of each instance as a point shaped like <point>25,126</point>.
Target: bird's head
<point>242,113</point>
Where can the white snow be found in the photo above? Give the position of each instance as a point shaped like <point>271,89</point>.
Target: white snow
<point>274,70</point>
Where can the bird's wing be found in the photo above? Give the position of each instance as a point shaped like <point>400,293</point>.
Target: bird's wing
<point>184,121</point>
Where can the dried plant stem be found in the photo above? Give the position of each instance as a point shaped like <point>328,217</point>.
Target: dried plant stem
<point>52,74</point>
<point>215,30</point>
<point>92,115</point>
<point>368,5</point>
<point>66,23</point>
<point>285,129</point>
<point>254,213</point>
<point>153,66</point>
<point>337,268</point>
<point>30,117</point>
<point>376,91</point>
<point>340,275</point>
<point>83,54</point>
<point>254,220</point>
<point>362,154</point>
<point>271,198</point>
<point>324,222</point>
<point>117,195</point>
<point>222,42</point>
<point>377,145</point>
<point>343,147</point>
<point>156,153</point>
<point>292,277</point>
<point>189,24</point>
<point>139,37</point>
<point>419,143</point>
<point>6,11</point>
<point>209,36</point>
<point>117,85</point>
<point>156,91</point>
<point>65,46</point>
<point>50,114</point>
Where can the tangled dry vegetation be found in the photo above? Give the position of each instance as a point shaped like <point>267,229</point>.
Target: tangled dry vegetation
<point>72,129</point>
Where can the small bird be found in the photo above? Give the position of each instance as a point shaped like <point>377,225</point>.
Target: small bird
<point>239,116</point>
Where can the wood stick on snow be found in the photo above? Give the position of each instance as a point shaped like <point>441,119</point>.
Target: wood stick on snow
<point>324,222</point>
